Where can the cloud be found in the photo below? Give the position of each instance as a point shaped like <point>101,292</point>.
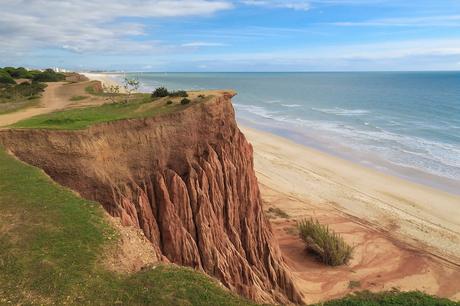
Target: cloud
<point>197,44</point>
<point>90,26</point>
<point>288,4</point>
<point>426,21</point>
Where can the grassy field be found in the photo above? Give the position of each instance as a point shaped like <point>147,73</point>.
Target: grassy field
<point>141,106</point>
<point>51,242</point>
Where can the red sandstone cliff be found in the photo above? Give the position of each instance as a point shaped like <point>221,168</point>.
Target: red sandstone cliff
<point>186,179</point>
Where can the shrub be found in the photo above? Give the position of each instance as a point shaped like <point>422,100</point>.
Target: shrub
<point>5,78</point>
<point>201,96</point>
<point>18,73</point>
<point>48,76</point>
<point>390,298</point>
<point>179,93</point>
<point>278,212</point>
<point>185,101</point>
<point>169,102</point>
<point>160,92</point>
<point>325,243</point>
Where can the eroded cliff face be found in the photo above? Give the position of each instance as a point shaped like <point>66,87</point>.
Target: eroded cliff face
<point>186,179</point>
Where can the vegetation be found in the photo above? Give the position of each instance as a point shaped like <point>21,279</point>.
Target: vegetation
<point>14,97</point>
<point>179,93</point>
<point>78,98</point>
<point>48,76</point>
<point>112,92</point>
<point>130,86</point>
<point>354,284</point>
<point>6,78</point>
<point>51,245</point>
<point>185,101</point>
<point>18,73</point>
<point>390,298</point>
<point>278,212</point>
<point>325,243</point>
<point>162,92</point>
<point>140,107</point>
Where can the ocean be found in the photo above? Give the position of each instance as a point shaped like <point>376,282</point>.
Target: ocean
<point>403,123</point>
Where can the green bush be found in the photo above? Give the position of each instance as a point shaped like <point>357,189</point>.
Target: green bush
<point>169,102</point>
<point>160,92</point>
<point>325,243</point>
<point>5,77</point>
<point>185,101</point>
<point>23,90</point>
<point>18,73</point>
<point>179,93</point>
<point>390,298</point>
<point>48,76</point>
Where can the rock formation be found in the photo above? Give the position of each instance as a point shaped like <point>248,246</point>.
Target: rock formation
<point>186,179</point>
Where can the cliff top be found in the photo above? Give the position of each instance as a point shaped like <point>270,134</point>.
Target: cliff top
<point>141,105</point>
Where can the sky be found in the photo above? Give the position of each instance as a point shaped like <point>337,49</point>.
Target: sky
<point>231,35</point>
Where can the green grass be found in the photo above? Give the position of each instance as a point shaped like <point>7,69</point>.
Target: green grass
<point>140,107</point>
<point>52,242</point>
<point>78,98</point>
<point>326,244</point>
<point>390,298</point>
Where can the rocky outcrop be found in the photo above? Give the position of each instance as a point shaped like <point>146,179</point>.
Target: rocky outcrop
<point>186,179</point>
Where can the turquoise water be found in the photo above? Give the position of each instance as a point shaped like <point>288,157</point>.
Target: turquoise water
<point>405,123</point>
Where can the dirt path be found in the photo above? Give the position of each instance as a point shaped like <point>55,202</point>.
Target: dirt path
<point>56,96</point>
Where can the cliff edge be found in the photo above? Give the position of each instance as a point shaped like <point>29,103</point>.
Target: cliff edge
<point>186,179</point>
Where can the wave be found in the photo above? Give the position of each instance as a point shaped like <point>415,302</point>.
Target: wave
<point>341,111</point>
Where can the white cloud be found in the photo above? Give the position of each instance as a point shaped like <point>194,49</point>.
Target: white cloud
<point>289,4</point>
<point>197,44</point>
<point>426,21</point>
<point>89,26</point>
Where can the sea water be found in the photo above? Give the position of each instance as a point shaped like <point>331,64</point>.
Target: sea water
<point>404,123</point>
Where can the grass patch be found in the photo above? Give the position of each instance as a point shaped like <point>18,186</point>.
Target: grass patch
<point>390,298</point>
<point>140,107</point>
<point>78,98</point>
<point>354,284</point>
<point>329,246</point>
<point>51,242</point>
<point>278,212</point>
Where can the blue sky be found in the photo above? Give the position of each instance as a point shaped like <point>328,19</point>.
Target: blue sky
<point>231,35</point>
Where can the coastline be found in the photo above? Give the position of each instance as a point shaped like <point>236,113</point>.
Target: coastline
<point>409,209</point>
<point>413,212</point>
<point>405,235</point>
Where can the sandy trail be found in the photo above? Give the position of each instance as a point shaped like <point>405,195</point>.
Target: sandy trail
<point>406,235</point>
<point>57,96</point>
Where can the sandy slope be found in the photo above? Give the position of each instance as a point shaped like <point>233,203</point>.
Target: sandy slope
<point>406,235</point>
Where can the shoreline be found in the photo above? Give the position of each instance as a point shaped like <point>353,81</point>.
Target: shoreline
<point>353,188</point>
<point>405,235</point>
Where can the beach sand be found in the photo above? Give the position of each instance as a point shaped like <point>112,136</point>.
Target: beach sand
<point>105,79</point>
<point>405,235</point>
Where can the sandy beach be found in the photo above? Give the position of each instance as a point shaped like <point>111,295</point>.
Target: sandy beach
<point>105,79</point>
<point>405,235</point>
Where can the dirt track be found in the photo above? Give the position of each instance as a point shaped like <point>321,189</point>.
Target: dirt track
<point>56,96</point>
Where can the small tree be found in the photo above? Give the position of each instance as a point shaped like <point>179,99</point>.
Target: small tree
<point>130,86</point>
<point>112,92</point>
<point>160,92</point>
